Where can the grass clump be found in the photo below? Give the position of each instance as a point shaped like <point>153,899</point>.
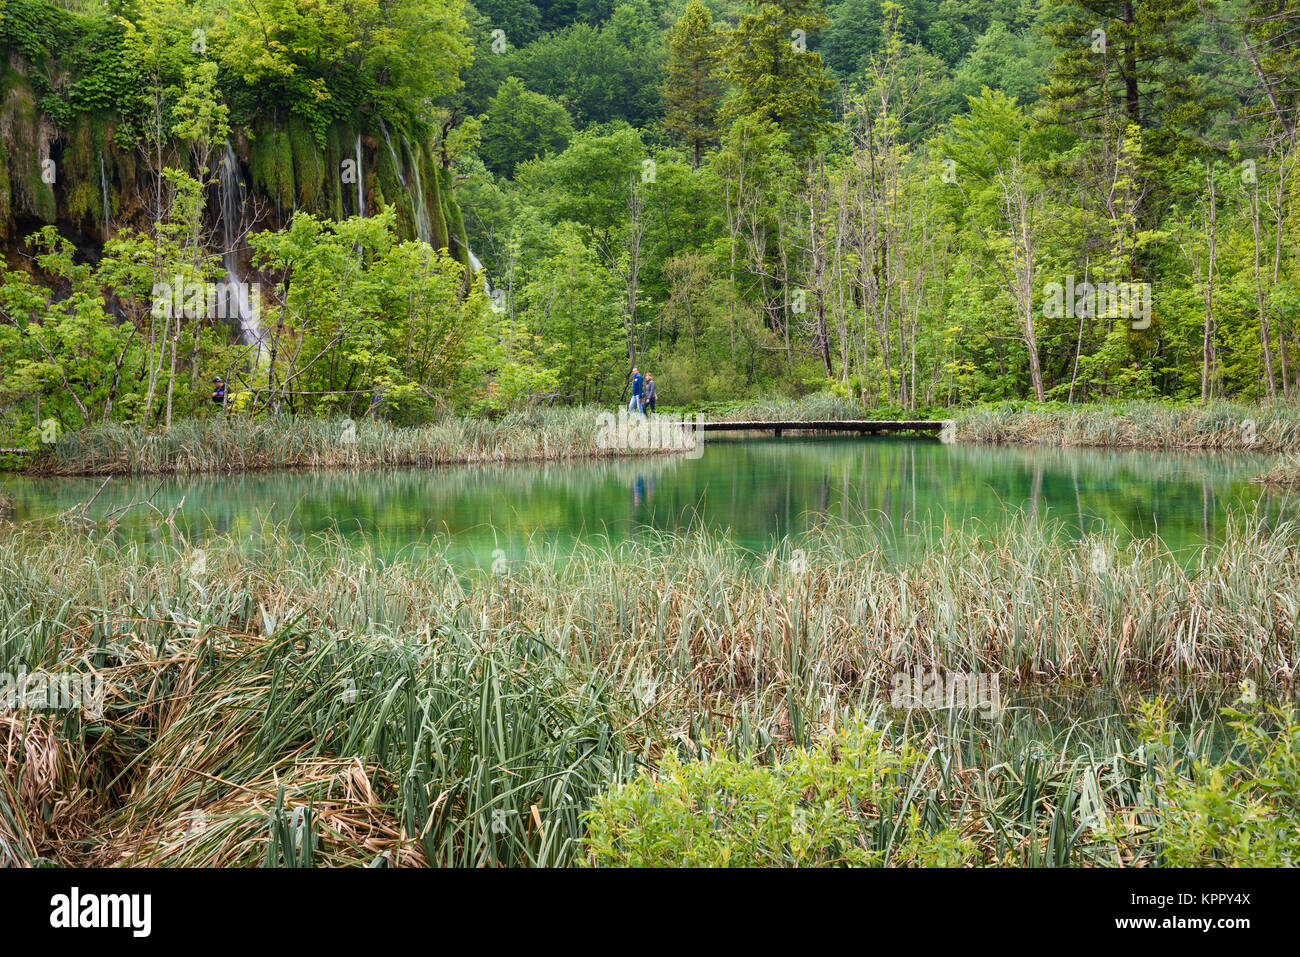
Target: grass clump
<point>283,703</point>
<point>1138,424</point>
<point>243,443</point>
<point>1285,473</point>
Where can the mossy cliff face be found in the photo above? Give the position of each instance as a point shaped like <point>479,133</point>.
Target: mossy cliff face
<point>82,172</point>
<point>290,170</point>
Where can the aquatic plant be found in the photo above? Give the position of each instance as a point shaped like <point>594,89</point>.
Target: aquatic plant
<point>1137,424</point>
<point>244,443</point>
<point>276,702</point>
<point>1285,473</point>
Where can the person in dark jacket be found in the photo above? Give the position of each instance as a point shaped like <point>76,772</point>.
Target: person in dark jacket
<point>650,394</point>
<point>636,404</point>
<point>219,390</point>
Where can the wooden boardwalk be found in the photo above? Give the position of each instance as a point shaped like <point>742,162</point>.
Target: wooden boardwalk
<point>860,426</point>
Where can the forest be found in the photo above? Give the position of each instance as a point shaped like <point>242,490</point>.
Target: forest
<point>911,205</point>
<point>330,535</point>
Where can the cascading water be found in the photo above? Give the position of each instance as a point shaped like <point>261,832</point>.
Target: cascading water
<point>397,162</point>
<point>235,301</point>
<point>422,227</point>
<point>103,189</point>
<point>420,211</point>
<point>475,266</point>
<point>361,182</point>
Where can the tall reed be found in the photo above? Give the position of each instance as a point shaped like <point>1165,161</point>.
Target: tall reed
<point>1136,424</point>
<point>244,443</point>
<point>281,702</point>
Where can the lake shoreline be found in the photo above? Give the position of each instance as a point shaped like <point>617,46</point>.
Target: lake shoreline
<point>1136,425</point>
<point>235,445</point>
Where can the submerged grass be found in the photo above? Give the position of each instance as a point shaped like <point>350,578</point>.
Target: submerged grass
<point>291,704</point>
<point>243,443</point>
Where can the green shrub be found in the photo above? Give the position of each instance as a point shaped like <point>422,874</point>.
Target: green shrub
<point>816,808</point>
<point>1241,811</point>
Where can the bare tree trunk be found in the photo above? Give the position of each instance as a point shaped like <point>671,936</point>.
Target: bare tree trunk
<point>1208,335</point>
<point>1265,334</point>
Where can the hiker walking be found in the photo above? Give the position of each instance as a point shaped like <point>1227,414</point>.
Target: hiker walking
<point>218,390</point>
<point>636,404</point>
<point>649,392</point>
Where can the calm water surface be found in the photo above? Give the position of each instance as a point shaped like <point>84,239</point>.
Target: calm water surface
<point>758,489</point>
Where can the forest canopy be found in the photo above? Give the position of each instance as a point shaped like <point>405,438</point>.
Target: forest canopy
<point>911,204</point>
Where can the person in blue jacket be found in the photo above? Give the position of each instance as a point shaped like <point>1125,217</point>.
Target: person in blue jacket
<point>636,404</point>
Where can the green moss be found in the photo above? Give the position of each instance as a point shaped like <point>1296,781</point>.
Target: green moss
<point>5,205</point>
<point>334,168</point>
<point>432,198</point>
<point>308,166</point>
<point>272,166</point>
<point>455,221</point>
<point>389,189</point>
<point>29,193</point>
<point>87,141</point>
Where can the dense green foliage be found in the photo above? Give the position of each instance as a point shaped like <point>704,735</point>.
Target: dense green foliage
<point>882,198</point>
<point>910,204</point>
<point>814,809</point>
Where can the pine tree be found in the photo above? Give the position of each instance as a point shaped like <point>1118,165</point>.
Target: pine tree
<point>1124,62</point>
<point>692,92</point>
<point>1123,82</point>
<point>776,77</point>
<point>1271,45</point>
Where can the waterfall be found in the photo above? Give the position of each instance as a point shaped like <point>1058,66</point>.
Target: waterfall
<point>421,213</point>
<point>474,267</point>
<point>360,180</point>
<point>422,227</point>
<point>233,300</point>
<point>103,189</point>
<point>397,163</point>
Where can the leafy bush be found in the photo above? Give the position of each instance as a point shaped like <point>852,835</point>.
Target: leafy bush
<point>817,808</point>
<point>1242,811</point>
